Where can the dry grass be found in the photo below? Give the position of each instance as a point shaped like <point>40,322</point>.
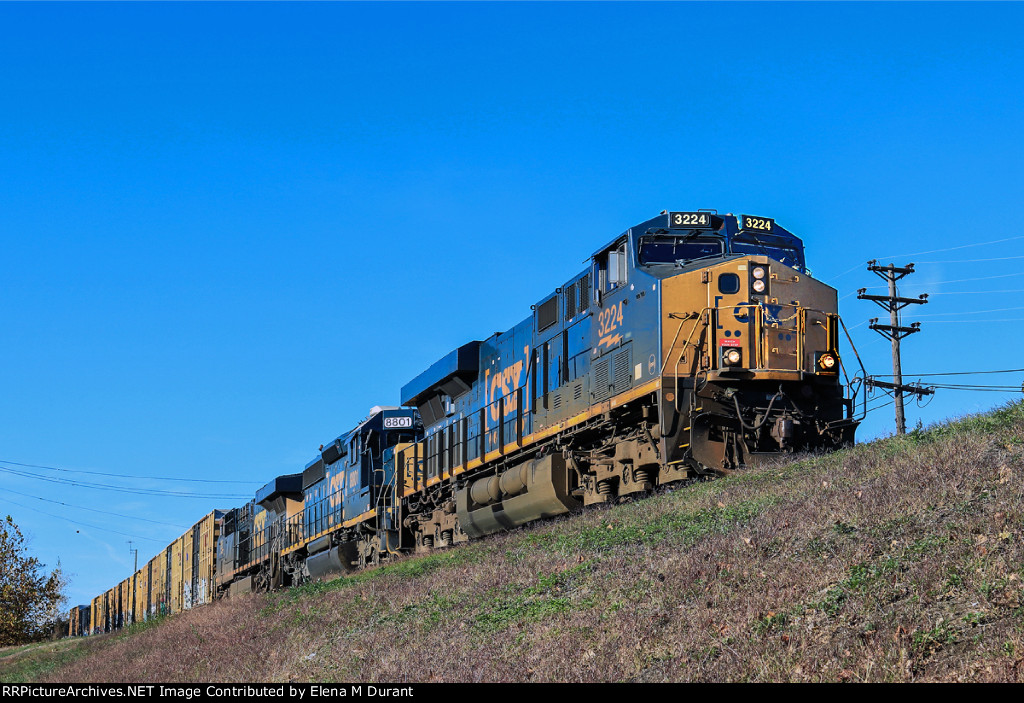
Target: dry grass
<point>899,560</point>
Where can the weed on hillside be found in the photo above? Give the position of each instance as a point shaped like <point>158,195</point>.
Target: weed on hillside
<point>898,560</point>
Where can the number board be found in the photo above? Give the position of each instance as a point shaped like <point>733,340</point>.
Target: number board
<point>396,423</point>
<point>758,224</point>
<point>690,220</point>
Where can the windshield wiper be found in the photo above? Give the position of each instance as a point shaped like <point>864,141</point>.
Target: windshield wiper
<point>764,248</point>
<point>680,263</point>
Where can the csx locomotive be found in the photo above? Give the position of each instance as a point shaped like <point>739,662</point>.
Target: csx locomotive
<point>692,344</point>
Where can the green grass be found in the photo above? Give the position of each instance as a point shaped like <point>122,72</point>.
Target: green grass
<point>35,660</point>
<point>634,529</point>
<point>895,560</point>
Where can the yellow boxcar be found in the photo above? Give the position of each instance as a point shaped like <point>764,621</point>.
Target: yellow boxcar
<point>176,577</point>
<point>111,608</point>
<point>158,584</point>
<point>179,577</point>
<point>140,604</point>
<point>204,558</point>
<point>126,603</point>
<point>187,547</point>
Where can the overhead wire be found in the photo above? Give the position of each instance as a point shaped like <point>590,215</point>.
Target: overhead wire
<point>968,312</point>
<point>962,387</point>
<point>95,510</point>
<point>955,280</point>
<point>148,478</point>
<point>1004,319</point>
<point>970,261</point>
<point>77,522</point>
<point>931,251</point>
<point>952,373</point>
<point>962,246</point>
<point>122,489</point>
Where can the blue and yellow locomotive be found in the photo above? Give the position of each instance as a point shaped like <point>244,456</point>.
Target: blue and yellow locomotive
<point>692,344</point>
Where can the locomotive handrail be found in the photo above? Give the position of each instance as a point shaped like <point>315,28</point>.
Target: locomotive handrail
<point>863,370</point>
<point>799,314</point>
<point>697,320</point>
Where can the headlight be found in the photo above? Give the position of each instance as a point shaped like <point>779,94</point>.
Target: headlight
<point>758,285</point>
<point>758,273</point>
<point>827,362</point>
<point>732,357</point>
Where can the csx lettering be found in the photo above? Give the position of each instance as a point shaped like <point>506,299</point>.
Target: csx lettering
<point>504,384</point>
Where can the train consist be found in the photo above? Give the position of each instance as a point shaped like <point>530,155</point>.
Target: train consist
<point>692,344</point>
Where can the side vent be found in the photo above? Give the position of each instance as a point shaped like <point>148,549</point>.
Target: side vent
<point>602,380</point>
<point>621,367</point>
<point>547,313</point>
<point>623,379</point>
<point>612,373</point>
<point>584,286</point>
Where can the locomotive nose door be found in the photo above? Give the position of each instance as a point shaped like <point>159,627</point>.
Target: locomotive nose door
<point>734,318</point>
<point>782,336</point>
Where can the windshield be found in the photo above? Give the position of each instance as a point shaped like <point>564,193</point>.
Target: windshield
<point>783,254</point>
<point>669,250</point>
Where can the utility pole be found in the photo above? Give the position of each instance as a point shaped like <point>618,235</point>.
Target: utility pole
<point>895,332</point>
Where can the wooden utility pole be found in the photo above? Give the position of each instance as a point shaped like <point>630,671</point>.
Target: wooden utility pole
<point>894,331</point>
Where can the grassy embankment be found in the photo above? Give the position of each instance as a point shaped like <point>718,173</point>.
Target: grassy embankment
<point>896,560</point>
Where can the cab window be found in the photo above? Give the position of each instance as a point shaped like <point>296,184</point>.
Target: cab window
<point>677,250</point>
<point>612,267</point>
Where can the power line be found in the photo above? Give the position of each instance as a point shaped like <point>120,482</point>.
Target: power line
<point>965,280</point>
<point>94,510</point>
<point>997,389</point>
<point>932,251</point>
<point>971,261</point>
<point>955,373</point>
<point>148,478</point>
<point>971,312</point>
<point>76,522</point>
<point>1005,319</point>
<point>962,246</point>
<point>879,407</point>
<point>121,489</point>
<point>976,292</point>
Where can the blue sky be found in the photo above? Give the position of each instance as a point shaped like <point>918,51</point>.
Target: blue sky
<point>228,230</point>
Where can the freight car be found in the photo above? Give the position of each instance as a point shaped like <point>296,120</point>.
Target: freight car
<point>179,577</point>
<point>692,344</point>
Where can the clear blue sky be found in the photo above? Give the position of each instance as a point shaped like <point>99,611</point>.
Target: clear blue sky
<point>228,230</point>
